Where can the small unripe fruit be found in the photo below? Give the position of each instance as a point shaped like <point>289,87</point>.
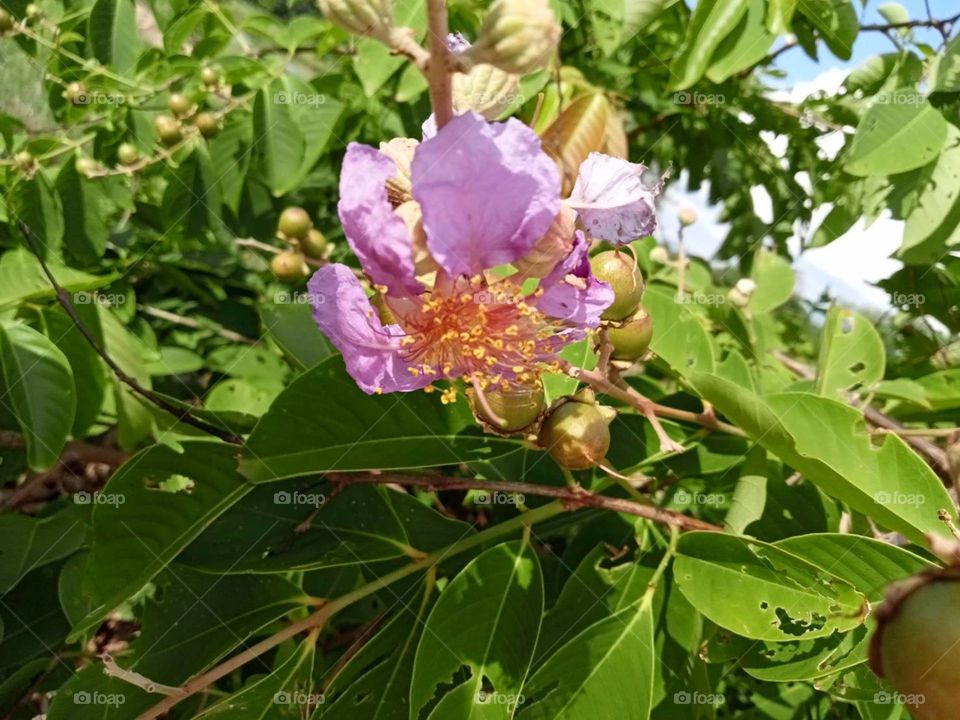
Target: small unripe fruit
<point>75,93</point>
<point>179,104</point>
<point>289,266</point>
<point>659,255</point>
<point>86,166</point>
<point>517,36</point>
<point>916,647</point>
<point>207,124</point>
<point>741,293</point>
<point>314,245</point>
<point>168,129</point>
<point>687,216</point>
<point>576,434</point>
<point>361,17</point>
<point>33,13</point>
<point>632,339</point>
<point>127,154</point>
<point>294,223</point>
<point>620,271</point>
<point>6,21</point>
<point>516,407</point>
<point>24,160</point>
<point>210,77</point>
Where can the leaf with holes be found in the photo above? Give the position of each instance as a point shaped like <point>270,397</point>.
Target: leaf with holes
<point>852,357</point>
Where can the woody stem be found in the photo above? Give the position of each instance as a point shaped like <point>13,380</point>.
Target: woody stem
<point>438,68</point>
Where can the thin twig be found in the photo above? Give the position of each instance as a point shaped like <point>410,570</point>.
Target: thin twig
<point>438,69</point>
<point>63,297</point>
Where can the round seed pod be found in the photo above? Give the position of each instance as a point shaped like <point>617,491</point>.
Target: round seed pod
<point>620,271</point>
<point>576,434</point>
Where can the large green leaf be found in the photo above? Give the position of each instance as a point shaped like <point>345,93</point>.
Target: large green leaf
<point>37,203</point>
<point>679,338</point>
<point>292,526</point>
<point>113,35</point>
<point>373,61</point>
<point>826,441</point>
<point>151,508</point>
<point>851,354</point>
<point>762,592</point>
<point>479,639</point>
<point>933,225</point>
<point>775,281</point>
<point>745,46</point>
<point>946,75</point>
<point>323,422</point>
<point>616,22</point>
<point>278,140</point>
<point>22,278</point>
<point>712,21</point>
<point>38,387</point>
<point>193,620</point>
<point>837,22</point>
<point>900,132</point>
<point>607,671</point>
<point>27,543</point>
<point>84,213</point>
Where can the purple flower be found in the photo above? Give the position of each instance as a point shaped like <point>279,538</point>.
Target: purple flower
<point>487,193</point>
<point>612,200</point>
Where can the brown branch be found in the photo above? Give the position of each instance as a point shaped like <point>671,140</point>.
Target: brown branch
<point>940,25</point>
<point>572,498</point>
<point>438,69</point>
<point>63,297</point>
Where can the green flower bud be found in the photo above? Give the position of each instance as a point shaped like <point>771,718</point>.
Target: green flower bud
<point>632,339</point>
<point>289,266</point>
<point>33,13</point>
<point>24,161</point>
<point>916,646</point>
<point>577,434</point>
<point>517,36</point>
<point>620,271</point>
<point>516,407</point>
<point>294,223</point>
<point>373,18</point>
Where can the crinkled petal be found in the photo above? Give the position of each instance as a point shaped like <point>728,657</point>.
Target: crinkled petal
<point>376,234</point>
<point>571,292</point>
<point>612,200</point>
<point>371,350</point>
<point>487,191</point>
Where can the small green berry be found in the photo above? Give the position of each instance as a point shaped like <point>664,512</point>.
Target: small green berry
<point>620,271</point>
<point>207,124</point>
<point>86,166</point>
<point>179,104</point>
<point>632,339</point>
<point>33,13</point>
<point>210,76</point>
<point>516,407</point>
<point>289,266</point>
<point>168,129</point>
<point>6,22</point>
<point>24,161</point>
<point>576,434</point>
<point>314,245</point>
<point>127,154</point>
<point>294,223</point>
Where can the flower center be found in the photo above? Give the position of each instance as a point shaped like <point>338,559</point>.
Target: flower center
<point>486,331</point>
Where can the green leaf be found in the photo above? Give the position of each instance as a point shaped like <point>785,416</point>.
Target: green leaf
<point>375,683</point>
<point>84,214</point>
<point>579,354</point>
<point>27,543</point>
<point>852,357</point>
<point>36,202</point>
<point>292,327</point>
<point>192,197</point>
<point>616,22</point>
<point>607,671</point>
<point>946,72</point>
<point>479,639</point>
<point>775,281</point>
<point>22,278</point>
<point>280,144</point>
<point>316,114</point>
<point>933,225</point>
<point>744,47</point>
<point>323,422</point>
<point>39,389</point>
<point>140,522</point>
<point>679,338</point>
<point>285,692</point>
<point>762,592</point>
<point>780,15</point>
<point>900,132</point>
<point>837,22</point>
<point>113,35</point>
<point>711,22</point>
<point>293,526</point>
<point>373,62</point>
<point>894,13</point>
<point>826,441</point>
